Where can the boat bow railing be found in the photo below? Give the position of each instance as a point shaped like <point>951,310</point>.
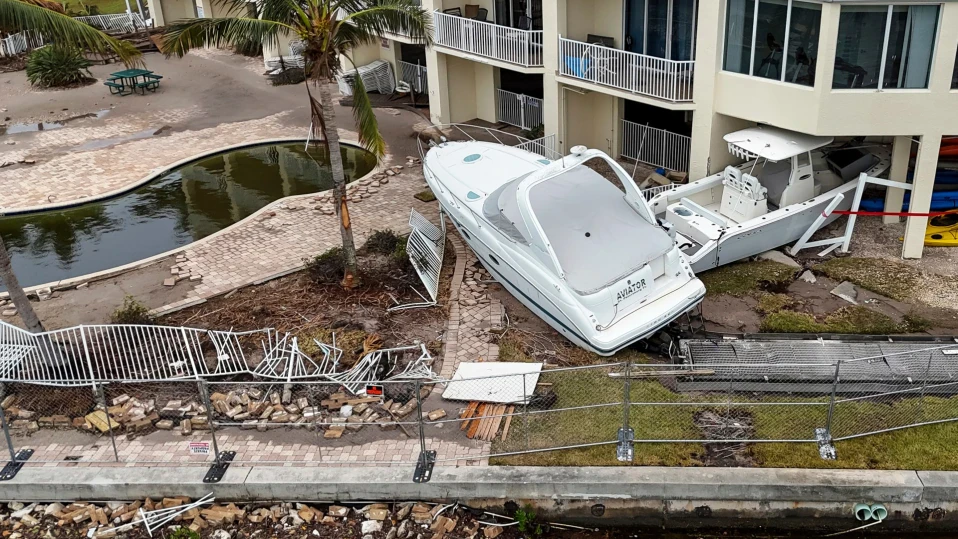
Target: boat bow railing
<point>458,132</point>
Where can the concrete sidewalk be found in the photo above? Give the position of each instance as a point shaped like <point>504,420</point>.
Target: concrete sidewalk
<point>608,496</point>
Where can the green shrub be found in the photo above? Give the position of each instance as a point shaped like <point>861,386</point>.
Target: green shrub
<point>184,533</point>
<point>57,65</point>
<point>535,133</point>
<point>132,312</point>
<point>328,267</point>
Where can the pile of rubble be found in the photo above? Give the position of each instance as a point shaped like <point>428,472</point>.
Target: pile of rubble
<point>247,408</point>
<point>225,521</point>
<point>181,271</point>
<point>474,285</point>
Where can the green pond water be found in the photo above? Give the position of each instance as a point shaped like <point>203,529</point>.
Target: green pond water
<point>177,208</point>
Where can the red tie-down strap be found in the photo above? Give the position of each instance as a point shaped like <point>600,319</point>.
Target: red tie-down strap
<point>895,213</point>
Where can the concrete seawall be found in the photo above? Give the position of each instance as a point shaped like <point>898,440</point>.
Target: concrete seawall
<point>673,497</point>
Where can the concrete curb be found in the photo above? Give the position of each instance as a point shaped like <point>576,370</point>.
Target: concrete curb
<point>503,483</point>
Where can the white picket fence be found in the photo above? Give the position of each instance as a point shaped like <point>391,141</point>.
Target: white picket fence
<point>655,146</point>
<point>512,45</point>
<point>415,75</point>
<point>116,22</point>
<point>20,42</point>
<point>647,75</point>
<point>519,110</point>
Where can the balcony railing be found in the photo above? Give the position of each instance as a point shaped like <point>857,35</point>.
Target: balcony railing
<point>670,80</point>
<point>115,22</point>
<point>512,45</point>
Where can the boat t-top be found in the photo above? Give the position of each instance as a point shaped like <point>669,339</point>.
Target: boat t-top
<point>582,250</point>
<point>768,201</point>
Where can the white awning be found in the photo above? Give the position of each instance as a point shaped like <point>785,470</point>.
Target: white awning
<point>772,143</point>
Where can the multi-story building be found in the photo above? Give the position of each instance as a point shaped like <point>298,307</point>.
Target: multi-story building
<point>665,80</point>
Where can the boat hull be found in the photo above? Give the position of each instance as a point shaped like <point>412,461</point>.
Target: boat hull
<point>496,262</point>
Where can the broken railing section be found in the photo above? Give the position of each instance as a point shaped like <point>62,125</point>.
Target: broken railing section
<point>83,355</point>
<point>425,247</point>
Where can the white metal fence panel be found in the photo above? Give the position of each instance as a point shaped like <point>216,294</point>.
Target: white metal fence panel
<point>519,110</point>
<point>655,146</point>
<point>120,22</point>
<point>520,47</point>
<point>20,42</point>
<point>638,73</point>
<point>415,75</point>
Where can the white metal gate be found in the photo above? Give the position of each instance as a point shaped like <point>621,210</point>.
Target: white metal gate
<point>655,146</point>
<point>415,75</point>
<point>520,110</point>
<point>21,42</point>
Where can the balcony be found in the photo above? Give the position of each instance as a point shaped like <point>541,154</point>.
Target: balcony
<point>502,43</point>
<point>669,80</point>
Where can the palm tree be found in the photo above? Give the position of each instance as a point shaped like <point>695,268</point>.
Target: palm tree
<point>329,31</point>
<point>47,18</point>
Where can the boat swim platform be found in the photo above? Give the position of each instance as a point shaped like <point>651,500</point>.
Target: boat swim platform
<point>800,364</point>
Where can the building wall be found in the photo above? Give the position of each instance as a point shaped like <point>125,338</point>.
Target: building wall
<point>599,17</point>
<point>591,120</point>
<point>174,10</point>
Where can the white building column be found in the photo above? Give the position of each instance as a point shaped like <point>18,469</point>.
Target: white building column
<point>156,12</point>
<point>553,25</point>
<point>894,197</point>
<point>923,186</point>
<point>487,80</point>
<point>708,46</point>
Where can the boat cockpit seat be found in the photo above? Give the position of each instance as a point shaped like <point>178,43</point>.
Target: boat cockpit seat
<point>775,178</point>
<point>743,197</point>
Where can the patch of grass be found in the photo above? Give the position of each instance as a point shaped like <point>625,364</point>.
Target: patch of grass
<point>918,448</point>
<point>772,303</point>
<point>745,278</point>
<point>97,7</point>
<point>885,277</point>
<point>132,312</point>
<point>425,196</point>
<point>853,319</point>
<point>916,323</point>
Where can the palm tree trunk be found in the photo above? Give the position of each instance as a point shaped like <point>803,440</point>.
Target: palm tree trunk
<point>19,297</point>
<point>351,277</point>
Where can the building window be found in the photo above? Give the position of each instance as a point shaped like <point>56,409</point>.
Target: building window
<point>885,47</point>
<point>661,28</point>
<point>774,39</point>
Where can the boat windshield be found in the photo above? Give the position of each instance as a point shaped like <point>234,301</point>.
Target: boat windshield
<point>597,236</point>
<point>501,208</point>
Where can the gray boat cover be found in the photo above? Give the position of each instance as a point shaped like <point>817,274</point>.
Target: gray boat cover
<point>596,235</point>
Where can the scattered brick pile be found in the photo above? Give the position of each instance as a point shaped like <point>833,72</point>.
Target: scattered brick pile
<point>226,520</point>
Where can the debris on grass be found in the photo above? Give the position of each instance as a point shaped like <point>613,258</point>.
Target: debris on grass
<point>328,267</point>
<point>886,277</point>
<point>744,278</point>
<point>384,242</point>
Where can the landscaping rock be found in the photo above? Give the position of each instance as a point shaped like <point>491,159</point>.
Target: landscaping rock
<point>847,291</point>
<point>780,257</point>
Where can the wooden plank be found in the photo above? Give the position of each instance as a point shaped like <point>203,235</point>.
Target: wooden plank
<point>468,413</point>
<point>501,409</point>
<point>505,428</point>
<point>471,433</point>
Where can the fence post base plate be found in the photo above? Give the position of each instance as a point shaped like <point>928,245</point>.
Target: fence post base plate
<point>826,449</point>
<point>423,473</point>
<point>218,470</point>
<point>624,450</point>
<point>13,467</point>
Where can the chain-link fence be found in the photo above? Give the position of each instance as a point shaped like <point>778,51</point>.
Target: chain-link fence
<point>582,415</point>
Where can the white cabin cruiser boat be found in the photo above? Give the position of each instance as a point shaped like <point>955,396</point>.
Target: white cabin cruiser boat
<point>767,202</point>
<point>583,254</point>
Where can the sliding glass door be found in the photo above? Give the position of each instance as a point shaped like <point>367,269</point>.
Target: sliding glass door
<point>522,14</point>
<point>661,28</point>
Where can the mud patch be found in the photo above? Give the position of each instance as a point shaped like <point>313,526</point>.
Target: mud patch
<point>726,425</point>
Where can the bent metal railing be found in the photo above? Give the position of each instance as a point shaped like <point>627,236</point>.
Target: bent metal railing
<point>511,45</point>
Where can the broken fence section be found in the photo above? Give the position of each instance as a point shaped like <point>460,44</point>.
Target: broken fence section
<point>425,247</point>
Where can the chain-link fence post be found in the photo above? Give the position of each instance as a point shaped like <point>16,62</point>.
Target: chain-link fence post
<point>427,459</point>
<point>924,386</point>
<point>205,395</point>
<point>625,450</point>
<point>101,394</point>
<point>6,425</point>
<point>525,412</point>
<point>826,447</point>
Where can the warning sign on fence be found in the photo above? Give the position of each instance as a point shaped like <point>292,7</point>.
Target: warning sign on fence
<point>199,448</point>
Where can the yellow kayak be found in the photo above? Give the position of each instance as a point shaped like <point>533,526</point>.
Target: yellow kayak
<point>942,231</point>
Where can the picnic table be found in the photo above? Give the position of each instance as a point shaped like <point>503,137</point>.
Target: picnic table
<point>126,82</point>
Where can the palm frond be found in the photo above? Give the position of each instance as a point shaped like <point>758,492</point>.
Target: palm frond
<point>52,5</point>
<point>19,15</point>
<point>186,34</point>
<point>374,19</point>
<point>366,122</point>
